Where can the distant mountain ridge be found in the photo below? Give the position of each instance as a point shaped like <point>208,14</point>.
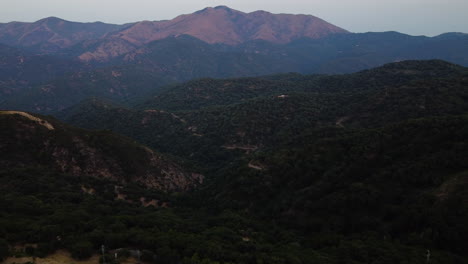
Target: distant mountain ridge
<point>212,25</point>
<point>291,39</point>
<point>228,26</point>
<point>52,34</point>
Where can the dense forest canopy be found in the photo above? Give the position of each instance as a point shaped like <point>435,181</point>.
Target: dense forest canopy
<point>369,167</point>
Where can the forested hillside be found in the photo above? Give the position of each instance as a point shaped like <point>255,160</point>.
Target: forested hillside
<point>214,118</point>
<point>369,167</point>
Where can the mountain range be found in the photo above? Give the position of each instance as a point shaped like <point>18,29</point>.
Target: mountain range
<point>212,25</point>
<point>125,62</point>
<point>168,61</point>
<point>231,137</point>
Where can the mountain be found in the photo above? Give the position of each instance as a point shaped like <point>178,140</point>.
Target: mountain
<point>336,53</point>
<point>219,25</point>
<point>224,25</point>
<point>52,34</point>
<point>99,41</point>
<point>299,43</point>
<point>28,140</point>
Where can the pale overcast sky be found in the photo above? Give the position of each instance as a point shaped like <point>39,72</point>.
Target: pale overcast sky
<point>415,17</point>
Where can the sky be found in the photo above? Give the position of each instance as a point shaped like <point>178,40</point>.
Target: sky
<point>414,17</point>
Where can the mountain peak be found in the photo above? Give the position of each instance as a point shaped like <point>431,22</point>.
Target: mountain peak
<point>220,8</point>
<point>222,24</point>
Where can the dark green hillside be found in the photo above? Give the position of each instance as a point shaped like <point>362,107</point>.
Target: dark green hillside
<point>404,181</point>
<point>236,116</point>
<point>39,205</point>
<point>165,131</point>
<point>62,188</point>
<point>264,121</point>
<point>368,167</point>
<point>80,214</point>
<point>28,140</point>
<point>356,165</point>
<point>198,94</point>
